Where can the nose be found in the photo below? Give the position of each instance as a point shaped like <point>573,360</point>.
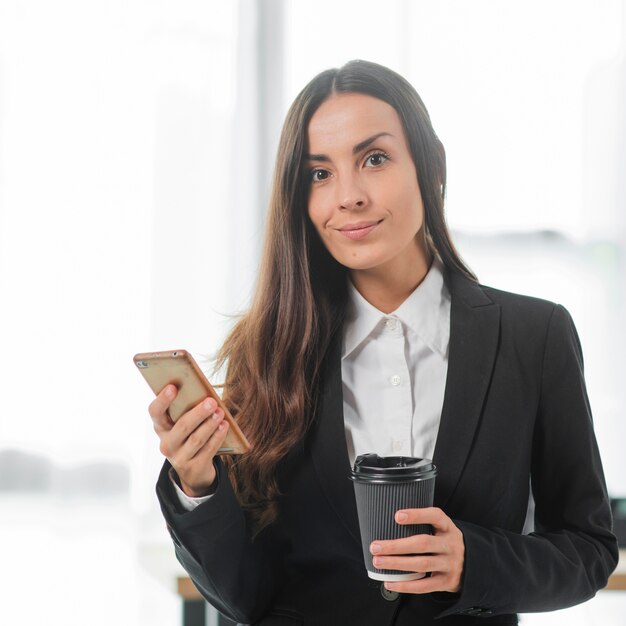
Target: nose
<point>351,195</point>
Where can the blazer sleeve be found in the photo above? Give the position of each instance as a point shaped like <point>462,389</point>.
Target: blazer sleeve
<point>572,551</point>
<point>213,543</point>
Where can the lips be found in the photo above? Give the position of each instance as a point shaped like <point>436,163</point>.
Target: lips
<point>359,230</point>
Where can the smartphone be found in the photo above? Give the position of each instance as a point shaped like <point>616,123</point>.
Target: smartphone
<point>179,368</point>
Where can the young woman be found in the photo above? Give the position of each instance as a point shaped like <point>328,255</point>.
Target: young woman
<point>368,333</point>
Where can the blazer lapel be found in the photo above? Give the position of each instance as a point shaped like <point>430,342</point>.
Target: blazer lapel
<point>474,335</point>
<point>328,443</point>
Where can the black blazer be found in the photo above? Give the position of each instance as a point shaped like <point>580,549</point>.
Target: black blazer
<point>515,410</point>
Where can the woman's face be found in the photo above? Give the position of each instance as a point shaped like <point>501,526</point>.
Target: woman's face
<point>364,198</point>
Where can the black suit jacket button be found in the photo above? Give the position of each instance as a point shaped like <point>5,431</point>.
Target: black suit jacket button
<point>390,596</point>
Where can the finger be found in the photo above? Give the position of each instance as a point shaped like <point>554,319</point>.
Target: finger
<point>432,515</point>
<point>214,443</point>
<point>199,472</point>
<point>426,563</point>
<point>187,424</point>
<point>196,468</point>
<point>158,409</point>
<point>416,544</point>
<point>198,438</point>
<point>429,584</point>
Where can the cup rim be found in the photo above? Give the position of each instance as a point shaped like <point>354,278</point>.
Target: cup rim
<point>372,468</point>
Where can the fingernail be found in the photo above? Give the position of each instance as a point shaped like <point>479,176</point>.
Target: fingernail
<point>169,392</point>
<point>389,586</point>
<point>379,560</point>
<point>401,516</point>
<point>208,404</point>
<point>218,415</point>
<point>376,548</point>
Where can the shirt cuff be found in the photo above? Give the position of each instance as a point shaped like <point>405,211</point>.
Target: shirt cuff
<point>187,502</point>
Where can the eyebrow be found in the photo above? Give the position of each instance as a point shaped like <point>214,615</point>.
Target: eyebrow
<point>359,146</point>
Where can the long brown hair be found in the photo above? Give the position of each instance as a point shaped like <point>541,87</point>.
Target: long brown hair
<point>275,351</point>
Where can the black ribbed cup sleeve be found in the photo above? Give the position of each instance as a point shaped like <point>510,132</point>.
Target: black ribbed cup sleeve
<point>377,505</point>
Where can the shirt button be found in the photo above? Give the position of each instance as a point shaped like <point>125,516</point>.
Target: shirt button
<point>395,380</point>
<point>391,323</point>
<point>398,446</point>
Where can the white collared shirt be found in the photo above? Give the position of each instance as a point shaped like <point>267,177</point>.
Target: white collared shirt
<point>394,369</point>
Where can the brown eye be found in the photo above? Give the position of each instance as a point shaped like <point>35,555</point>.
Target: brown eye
<point>376,159</point>
<point>319,175</point>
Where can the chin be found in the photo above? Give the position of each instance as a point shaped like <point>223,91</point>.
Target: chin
<point>357,265</point>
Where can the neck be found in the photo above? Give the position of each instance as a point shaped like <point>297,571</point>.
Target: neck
<point>387,287</point>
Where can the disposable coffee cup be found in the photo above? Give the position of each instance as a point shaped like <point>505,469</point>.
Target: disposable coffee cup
<point>382,486</point>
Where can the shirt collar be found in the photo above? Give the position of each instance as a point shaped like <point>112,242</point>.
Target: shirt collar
<point>426,312</point>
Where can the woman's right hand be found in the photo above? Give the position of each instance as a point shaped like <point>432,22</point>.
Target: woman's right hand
<point>191,442</point>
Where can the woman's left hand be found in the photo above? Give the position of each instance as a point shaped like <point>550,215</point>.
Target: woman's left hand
<point>442,554</point>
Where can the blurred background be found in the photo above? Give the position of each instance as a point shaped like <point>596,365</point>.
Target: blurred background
<point>137,140</point>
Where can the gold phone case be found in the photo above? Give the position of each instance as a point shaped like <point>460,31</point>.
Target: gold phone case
<point>179,368</point>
